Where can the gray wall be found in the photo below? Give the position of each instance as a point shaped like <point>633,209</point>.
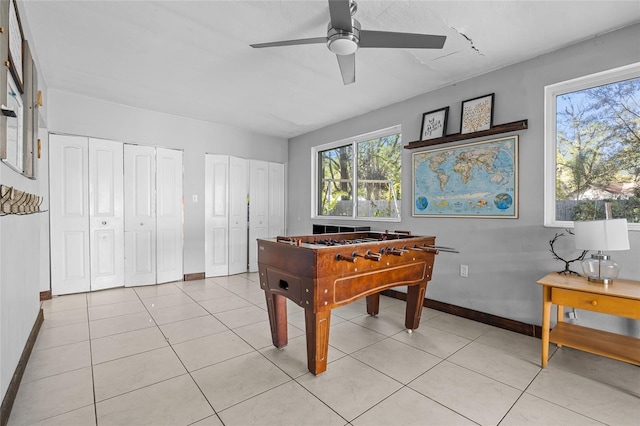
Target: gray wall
<point>505,256</point>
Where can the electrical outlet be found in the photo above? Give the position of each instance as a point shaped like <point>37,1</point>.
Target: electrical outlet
<point>464,271</point>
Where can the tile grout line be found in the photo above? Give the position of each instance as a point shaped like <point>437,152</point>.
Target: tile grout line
<point>93,381</point>
<point>182,363</point>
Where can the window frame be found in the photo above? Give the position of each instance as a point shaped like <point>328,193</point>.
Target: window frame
<point>353,141</point>
<point>551,92</point>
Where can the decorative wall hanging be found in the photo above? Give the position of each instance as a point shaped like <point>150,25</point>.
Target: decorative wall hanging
<point>434,124</point>
<point>477,114</point>
<point>473,180</point>
<point>14,201</point>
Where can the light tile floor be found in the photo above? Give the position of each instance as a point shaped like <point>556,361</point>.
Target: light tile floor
<point>200,353</point>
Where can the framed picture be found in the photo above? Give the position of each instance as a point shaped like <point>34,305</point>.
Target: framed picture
<point>16,38</point>
<point>13,130</point>
<point>477,114</point>
<point>434,124</point>
<point>477,179</point>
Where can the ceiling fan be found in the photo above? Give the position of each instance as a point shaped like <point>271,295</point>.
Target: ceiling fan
<point>344,37</point>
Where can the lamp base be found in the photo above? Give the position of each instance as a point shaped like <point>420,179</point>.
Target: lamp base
<point>600,269</point>
<point>600,280</point>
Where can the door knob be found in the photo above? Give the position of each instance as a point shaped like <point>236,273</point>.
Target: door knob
<point>104,222</point>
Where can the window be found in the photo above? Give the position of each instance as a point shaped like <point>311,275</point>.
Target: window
<point>359,178</point>
<point>592,148</point>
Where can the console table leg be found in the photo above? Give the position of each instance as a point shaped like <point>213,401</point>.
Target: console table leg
<point>317,327</point>
<point>546,322</point>
<point>415,299</point>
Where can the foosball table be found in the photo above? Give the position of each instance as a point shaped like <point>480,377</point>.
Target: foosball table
<point>326,271</point>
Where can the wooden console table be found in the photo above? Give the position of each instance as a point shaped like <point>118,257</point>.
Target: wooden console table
<point>621,298</point>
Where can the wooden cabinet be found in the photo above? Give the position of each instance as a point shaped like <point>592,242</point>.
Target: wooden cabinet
<point>621,298</point>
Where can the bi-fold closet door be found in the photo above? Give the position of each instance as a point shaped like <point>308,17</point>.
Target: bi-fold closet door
<point>91,215</point>
<point>86,214</point>
<point>226,190</point>
<point>153,215</point>
<point>230,242</point>
<point>266,205</point>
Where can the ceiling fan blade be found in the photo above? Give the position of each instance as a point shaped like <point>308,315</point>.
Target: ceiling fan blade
<point>400,40</point>
<point>340,15</point>
<point>291,42</point>
<point>347,65</point>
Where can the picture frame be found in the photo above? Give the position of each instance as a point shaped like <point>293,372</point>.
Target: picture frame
<point>477,114</point>
<point>16,39</point>
<point>14,133</point>
<point>473,180</point>
<point>434,124</point>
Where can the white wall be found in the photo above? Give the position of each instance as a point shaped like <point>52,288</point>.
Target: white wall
<point>78,115</point>
<point>24,240</point>
<point>505,256</point>
<point>19,276</point>
<point>24,256</point>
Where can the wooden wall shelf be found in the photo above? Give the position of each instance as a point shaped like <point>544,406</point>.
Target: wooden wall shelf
<point>495,130</point>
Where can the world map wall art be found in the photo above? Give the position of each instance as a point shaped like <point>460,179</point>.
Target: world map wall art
<point>472,180</point>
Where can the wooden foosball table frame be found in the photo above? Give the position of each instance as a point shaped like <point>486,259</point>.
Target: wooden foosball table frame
<point>323,272</point>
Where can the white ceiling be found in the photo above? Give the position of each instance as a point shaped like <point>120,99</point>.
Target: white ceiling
<point>192,58</point>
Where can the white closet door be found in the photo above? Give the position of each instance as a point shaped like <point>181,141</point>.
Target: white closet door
<point>140,215</point>
<point>169,215</point>
<point>106,212</point>
<point>258,208</point>
<point>216,208</point>
<point>276,200</point>
<point>238,191</point>
<point>69,214</point>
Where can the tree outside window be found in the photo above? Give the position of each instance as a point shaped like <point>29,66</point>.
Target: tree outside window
<point>360,178</point>
<point>596,147</point>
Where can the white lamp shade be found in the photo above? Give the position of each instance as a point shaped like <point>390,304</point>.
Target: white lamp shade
<point>604,235</point>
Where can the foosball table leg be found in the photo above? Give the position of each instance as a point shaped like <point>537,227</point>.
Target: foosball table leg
<point>415,299</point>
<point>277,309</point>
<point>317,327</point>
<point>373,304</point>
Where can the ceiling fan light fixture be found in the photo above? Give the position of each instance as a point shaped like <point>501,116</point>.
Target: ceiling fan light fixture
<point>343,45</point>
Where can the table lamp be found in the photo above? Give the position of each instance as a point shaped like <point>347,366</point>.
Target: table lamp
<point>601,235</point>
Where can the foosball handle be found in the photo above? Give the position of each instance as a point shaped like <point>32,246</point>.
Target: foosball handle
<point>346,258</point>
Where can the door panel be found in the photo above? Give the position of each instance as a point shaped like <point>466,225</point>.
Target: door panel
<point>140,215</point>
<point>69,214</point>
<point>216,201</point>
<point>169,215</point>
<point>276,200</point>
<point>106,209</point>
<point>238,191</point>
<point>258,208</point>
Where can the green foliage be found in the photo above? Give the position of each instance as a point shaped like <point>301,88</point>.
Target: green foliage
<point>595,209</point>
<point>330,207</point>
<point>378,168</point>
<point>598,143</point>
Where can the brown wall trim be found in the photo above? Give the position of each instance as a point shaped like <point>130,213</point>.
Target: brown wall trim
<point>45,295</point>
<point>496,321</point>
<point>12,390</point>
<point>195,276</point>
